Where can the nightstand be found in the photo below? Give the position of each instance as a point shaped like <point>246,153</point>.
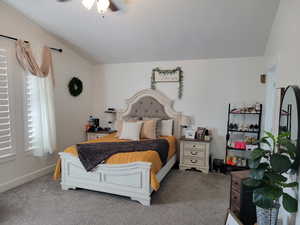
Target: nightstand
<point>97,134</point>
<point>194,154</point>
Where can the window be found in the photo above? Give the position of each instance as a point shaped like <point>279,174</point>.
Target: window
<point>40,133</point>
<point>6,137</point>
<point>30,142</point>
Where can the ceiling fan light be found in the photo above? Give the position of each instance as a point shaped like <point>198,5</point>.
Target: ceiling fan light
<point>102,5</point>
<point>88,4</point>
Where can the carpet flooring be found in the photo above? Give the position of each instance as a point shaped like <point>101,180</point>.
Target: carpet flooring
<point>185,198</point>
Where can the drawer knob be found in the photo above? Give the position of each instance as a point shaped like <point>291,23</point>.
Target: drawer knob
<point>194,160</point>
<point>194,153</point>
<point>194,146</point>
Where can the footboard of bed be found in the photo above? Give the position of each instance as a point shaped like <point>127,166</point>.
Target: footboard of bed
<point>132,179</point>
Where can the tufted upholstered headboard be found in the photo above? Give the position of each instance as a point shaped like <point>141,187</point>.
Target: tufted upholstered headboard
<point>148,107</point>
<point>154,104</point>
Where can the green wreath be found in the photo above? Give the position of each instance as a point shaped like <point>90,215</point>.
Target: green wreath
<point>75,86</point>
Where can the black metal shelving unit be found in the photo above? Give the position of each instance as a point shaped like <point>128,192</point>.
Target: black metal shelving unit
<point>256,133</point>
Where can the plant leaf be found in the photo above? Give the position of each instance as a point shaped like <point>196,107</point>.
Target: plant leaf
<point>280,163</point>
<point>289,203</point>
<point>257,174</point>
<point>253,164</point>
<point>258,153</point>
<point>284,135</point>
<point>295,164</point>
<point>265,141</point>
<point>287,146</point>
<point>275,177</point>
<point>252,182</point>
<point>262,200</point>
<point>293,184</point>
<point>270,135</point>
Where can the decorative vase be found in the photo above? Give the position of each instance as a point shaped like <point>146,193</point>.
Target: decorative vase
<point>267,216</point>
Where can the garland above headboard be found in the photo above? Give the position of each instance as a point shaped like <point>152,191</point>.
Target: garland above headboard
<point>162,76</point>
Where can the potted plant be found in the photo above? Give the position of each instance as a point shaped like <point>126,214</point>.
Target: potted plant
<point>267,169</point>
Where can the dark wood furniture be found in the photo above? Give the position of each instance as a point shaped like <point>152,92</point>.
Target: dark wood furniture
<point>241,198</point>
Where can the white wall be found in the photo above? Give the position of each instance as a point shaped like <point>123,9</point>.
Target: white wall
<point>283,46</point>
<point>209,85</point>
<point>71,113</point>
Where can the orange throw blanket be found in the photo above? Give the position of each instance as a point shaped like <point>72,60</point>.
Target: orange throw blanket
<point>128,157</point>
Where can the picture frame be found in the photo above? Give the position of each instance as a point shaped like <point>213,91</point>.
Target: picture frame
<point>200,133</point>
<point>189,133</point>
<point>231,219</point>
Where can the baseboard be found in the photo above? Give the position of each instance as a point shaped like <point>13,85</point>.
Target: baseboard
<point>26,178</point>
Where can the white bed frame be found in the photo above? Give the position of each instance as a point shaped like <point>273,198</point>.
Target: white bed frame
<point>132,179</point>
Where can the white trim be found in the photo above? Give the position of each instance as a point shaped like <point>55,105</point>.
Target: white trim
<point>26,178</point>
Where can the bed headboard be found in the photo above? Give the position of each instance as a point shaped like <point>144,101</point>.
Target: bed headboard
<point>154,104</point>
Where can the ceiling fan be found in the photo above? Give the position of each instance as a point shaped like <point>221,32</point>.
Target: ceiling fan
<point>102,5</point>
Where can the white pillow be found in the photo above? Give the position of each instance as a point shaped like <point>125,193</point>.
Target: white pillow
<point>131,130</point>
<point>166,128</point>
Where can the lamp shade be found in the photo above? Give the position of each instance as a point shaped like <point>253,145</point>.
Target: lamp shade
<point>186,121</point>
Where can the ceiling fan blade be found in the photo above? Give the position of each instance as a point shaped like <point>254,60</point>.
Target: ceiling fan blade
<point>113,7</point>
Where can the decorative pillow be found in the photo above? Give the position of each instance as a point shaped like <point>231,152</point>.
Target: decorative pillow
<point>119,124</point>
<point>158,124</point>
<point>149,129</point>
<point>166,128</point>
<point>131,130</point>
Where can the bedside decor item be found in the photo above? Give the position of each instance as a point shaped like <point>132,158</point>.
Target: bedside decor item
<point>200,133</point>
<point>75,86</point>
<point>189,133</point>
<point>185,123</point>
<point>267,180</point>
<point>110,117</point>
<point>172,76</point>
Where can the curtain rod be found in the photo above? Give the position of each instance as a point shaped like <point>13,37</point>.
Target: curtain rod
<point>12,38</point>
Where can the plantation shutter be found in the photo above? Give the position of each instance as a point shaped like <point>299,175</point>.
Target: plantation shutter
<point>29,112</point>
<point>6,143</point>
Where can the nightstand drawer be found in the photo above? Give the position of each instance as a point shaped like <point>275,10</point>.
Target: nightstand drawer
<point>194,145</point>
<point>194,152</point>
<point>194,161</point>
<point>93,136</point>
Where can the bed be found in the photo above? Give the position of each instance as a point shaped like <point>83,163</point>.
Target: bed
<point>131,179</point>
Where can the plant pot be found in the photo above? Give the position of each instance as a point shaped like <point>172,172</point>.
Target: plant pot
<point>267,216</point>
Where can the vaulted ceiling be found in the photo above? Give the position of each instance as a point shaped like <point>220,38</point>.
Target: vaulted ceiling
<point>154,30</point>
